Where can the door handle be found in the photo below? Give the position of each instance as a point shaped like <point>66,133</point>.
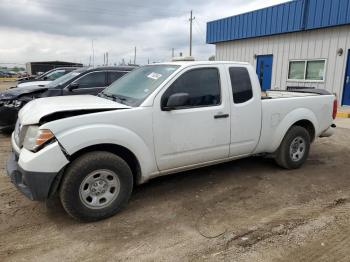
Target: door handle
<point>347,79</point>
<point>221,116</point>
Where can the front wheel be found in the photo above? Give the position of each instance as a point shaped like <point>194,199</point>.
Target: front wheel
<point>294,148</point>
<point>96,186</point>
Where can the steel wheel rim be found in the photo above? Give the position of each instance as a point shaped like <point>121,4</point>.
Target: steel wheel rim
<point>99,189</point>
<point>297,149</point>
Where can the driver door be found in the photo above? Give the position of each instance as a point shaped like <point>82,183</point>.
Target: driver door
<point>198,131</point>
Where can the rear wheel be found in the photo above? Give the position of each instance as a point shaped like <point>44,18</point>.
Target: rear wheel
<point>294,148</point>
<point>96,186</point>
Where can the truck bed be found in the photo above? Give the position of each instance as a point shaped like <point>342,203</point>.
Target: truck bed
<point>286,94</point>
<point>281,109</point>
<point>274,94</point>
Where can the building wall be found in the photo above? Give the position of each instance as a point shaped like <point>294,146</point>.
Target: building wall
<point>313,44</point>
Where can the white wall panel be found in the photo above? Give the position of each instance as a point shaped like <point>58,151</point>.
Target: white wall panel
<point>314,44</point>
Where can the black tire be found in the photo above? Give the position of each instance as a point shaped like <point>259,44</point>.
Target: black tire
<point>79,170</point>
<point>284,157</point>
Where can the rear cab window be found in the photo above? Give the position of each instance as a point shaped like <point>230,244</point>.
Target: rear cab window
<point>241,84</point>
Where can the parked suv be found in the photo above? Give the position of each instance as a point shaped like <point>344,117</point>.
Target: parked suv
<point>78,82</point>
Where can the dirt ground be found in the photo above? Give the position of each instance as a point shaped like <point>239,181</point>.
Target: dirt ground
<point>247,210</point>
<point>5,85</point>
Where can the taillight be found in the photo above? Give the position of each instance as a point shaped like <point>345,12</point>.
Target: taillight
<point>335,108</point>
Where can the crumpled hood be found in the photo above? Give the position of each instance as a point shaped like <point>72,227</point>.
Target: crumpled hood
<point>33,83</point>
<point>19,91</point>
<point>32,112</point>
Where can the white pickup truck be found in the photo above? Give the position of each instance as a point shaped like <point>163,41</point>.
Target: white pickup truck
<point>157,120</point>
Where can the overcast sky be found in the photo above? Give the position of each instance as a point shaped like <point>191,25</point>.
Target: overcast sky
<point>39,30</point>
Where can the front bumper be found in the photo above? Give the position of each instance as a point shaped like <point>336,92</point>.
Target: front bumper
<point>34,173</point>
<point>34,185</point>
<point>8,117</point>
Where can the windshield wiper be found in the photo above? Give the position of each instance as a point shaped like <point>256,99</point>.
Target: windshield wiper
<point>114,97</point>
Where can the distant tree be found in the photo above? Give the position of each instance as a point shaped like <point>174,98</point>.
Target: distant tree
<point>212,58</point>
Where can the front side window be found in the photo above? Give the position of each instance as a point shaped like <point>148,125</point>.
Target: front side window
<point>95,79</point>
<point>241,86</point>
<point>64,79</point>
<point>307,70</point>
<point>202,86</point>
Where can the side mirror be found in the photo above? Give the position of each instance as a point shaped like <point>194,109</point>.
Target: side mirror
<point>175,101</point>
<point>45,78</point>
<point>73,86</point>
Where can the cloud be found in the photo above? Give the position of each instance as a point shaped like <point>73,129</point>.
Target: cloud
<point>64,29</point>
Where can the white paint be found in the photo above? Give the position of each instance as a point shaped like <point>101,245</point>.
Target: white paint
<point>170,141</point>
<point>32,112</point>
<point>34,83</point>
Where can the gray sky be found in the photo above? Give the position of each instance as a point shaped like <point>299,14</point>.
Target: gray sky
<point>38,30</point>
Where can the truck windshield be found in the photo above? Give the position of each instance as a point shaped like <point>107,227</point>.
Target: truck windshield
<point>137,85</point>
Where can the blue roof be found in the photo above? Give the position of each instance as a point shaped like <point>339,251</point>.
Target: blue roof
<point>294,16</point>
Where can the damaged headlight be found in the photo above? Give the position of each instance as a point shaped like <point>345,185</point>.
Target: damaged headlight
<point>36,138</point>
<point>13,103</point>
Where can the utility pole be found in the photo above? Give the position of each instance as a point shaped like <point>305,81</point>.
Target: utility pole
<point>191,22</point>
<point>93,52</point>
<point>106,58</point>
<point>135,56</point>
<point>172,52</point>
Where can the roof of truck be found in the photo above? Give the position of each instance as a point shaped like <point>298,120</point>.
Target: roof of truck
<point>192,63</point>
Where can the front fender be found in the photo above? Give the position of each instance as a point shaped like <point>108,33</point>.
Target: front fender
<point>287,122</point>
<point>79,138</point>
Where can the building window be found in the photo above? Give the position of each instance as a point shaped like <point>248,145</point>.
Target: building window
<point>307,70</point>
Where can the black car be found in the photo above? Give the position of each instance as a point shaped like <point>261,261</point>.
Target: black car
<point>78,82</point>
<point>50,75</point>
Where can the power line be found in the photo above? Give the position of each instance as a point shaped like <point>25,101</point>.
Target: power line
<point>201,33</point>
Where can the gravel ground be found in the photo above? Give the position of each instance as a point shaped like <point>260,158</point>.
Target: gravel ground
<point>247,210</point>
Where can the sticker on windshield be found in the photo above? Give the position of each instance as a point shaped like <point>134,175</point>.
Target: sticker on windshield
<point>154,76</point>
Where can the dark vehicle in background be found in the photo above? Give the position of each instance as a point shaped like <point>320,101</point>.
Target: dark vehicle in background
<point>2,74</point>
<point>78,82</point>
<point>45,78</point>
<point>5,73</point>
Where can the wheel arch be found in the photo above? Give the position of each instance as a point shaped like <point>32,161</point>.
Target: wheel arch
<point>128,156</point>
<point>300,117</point>
<point>309,126</point>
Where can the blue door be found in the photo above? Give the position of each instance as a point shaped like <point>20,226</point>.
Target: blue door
<point>264,71</point>
<point>346,92</point>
